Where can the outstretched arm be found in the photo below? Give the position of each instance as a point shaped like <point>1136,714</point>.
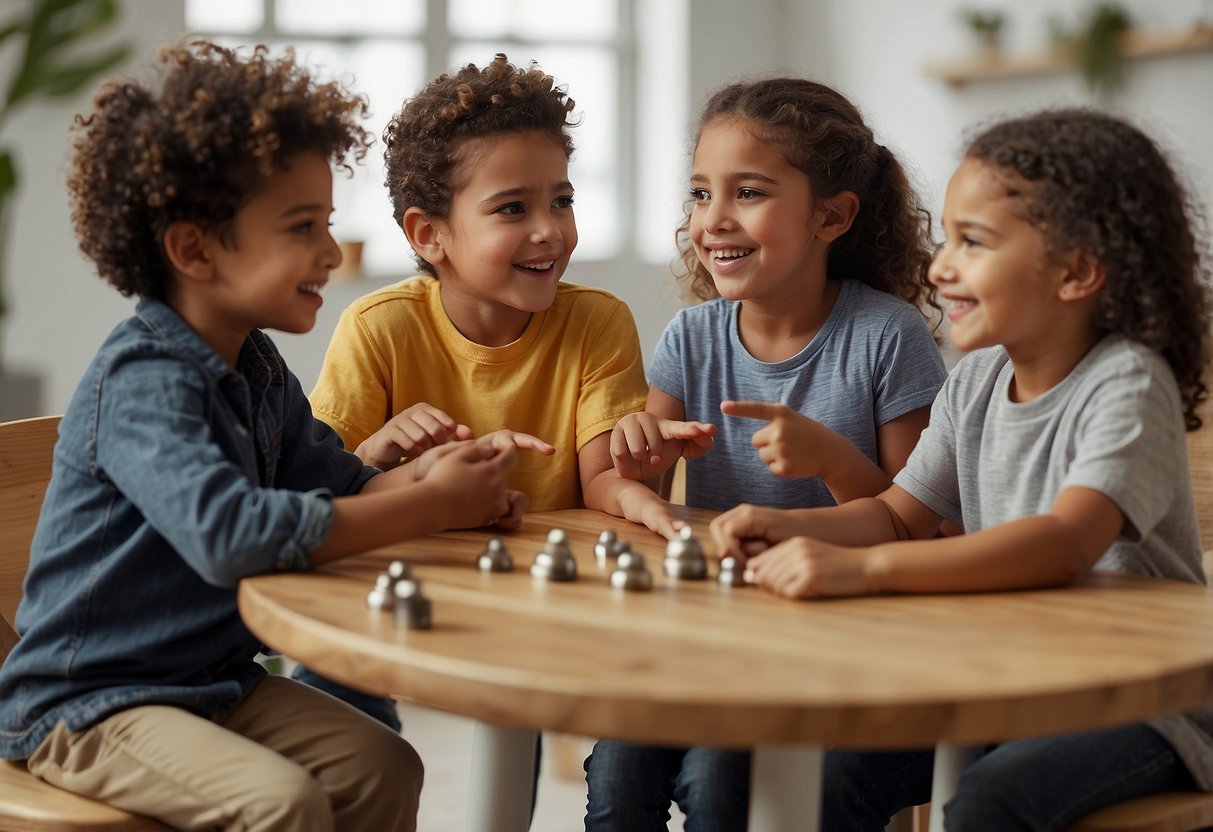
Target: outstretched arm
<point>645,445</point>
<point>793,445</point>
<point>1043,550</point>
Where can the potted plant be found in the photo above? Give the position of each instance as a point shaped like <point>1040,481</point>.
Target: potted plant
<point>1096,47</point>
<point>986,25</point>
<point>46,37</point>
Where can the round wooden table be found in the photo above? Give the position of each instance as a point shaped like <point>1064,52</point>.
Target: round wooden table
<point>693,663</point>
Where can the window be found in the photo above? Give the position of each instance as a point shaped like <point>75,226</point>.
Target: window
<point>629,158</point>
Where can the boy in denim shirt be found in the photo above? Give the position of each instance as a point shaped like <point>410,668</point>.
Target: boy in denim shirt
<point>189,459</point>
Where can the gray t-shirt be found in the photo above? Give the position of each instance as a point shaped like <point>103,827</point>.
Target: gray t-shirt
<point>872,361</point>
<point>1114,425</point>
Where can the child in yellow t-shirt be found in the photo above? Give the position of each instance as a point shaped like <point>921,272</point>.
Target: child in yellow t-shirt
<point>487,337</point>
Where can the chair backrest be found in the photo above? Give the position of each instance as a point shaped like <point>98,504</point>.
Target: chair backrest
<point>26,448</point>
<point>1200,462</point>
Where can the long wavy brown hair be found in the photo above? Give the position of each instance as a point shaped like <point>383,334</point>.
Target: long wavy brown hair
<point>1094,183</point>
<point>822,134</point>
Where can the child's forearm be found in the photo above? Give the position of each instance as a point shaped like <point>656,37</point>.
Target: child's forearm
<point>369,520</point>
<point>631,500</point>
<point>848,472</point>
<point>1032,552</point>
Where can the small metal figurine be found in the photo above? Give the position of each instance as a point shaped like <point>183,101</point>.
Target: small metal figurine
<point>412,608</point>
<point>630,572</point>
<point>495,558</point>
<point>381,598</point>
<point>732,572</point>
<point>555,562</point>
<point>684,558</point>
<point>608,546</point>
<point>399,570</point>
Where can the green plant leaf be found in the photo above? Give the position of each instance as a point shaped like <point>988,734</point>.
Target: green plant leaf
<point>53,27</point>
<point>67,80</point>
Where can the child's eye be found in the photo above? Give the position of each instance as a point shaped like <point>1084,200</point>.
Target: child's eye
<point>509,208</point>
<point>700,195</point>
<point>563,202</point>
<point>969,242</point>
<point>748,193</point>
<point>304,227</point>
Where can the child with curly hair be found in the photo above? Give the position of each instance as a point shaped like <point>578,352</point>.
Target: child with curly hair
<point>189,458</point>
<point>810,249</point>
<point>1077,284</point>
<point>487,337</point>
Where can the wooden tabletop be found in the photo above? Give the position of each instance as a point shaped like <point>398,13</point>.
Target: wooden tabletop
<point>690,662</point>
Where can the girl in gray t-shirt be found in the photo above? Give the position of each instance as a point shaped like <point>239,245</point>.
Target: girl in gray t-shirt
<point>808,245</point>
<point>1074,278</point>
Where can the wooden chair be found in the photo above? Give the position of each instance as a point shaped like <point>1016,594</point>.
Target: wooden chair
<point>28,804</point>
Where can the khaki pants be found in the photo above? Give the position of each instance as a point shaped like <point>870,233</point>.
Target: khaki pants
<point>289,758</point>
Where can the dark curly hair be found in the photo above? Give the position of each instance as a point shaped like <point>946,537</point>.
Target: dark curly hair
<point>428,140</point>
<point>1093,183</point>
<point>192,148</point>
<point>821,133</point>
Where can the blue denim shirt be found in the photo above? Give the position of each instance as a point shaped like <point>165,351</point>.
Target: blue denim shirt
<point>174,477</point>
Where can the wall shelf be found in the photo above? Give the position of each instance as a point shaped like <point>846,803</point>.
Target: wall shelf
<point>1136,43</point>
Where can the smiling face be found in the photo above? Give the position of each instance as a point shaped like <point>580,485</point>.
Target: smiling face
<point>271,263</point>
<point>754,216</point>
<point>507,240</point>
<point>995,269</point>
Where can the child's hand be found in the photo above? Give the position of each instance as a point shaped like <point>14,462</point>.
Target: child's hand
<point>801,567</point>
<point>792,444</point>
<point>501,439</point>
<point>471,479</point>
<point>519,502</point>
<point>643,445</point>
<point>410,433</point>
<point>747,530</point>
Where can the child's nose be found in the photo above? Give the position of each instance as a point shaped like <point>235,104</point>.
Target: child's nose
<point>940,270</point>
<point>546,230</point>
<point>330,253</point>
<point>717,216</point>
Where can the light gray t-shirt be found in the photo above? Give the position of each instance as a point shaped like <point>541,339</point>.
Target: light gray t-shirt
<point>1114,425</point>
<point>872,361</point>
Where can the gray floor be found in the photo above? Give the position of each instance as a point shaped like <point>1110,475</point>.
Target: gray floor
<point>445,743</point>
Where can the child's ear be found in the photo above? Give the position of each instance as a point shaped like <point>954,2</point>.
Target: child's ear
<point>188,250</point>
<point>425,234</point>
<point>836,215</point>
<point>1082,277</point>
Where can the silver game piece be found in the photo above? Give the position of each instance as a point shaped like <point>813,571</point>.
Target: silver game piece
<point>684,558</point>
<point>608,546</point>
<point>732,572</point>
<point>399,570</point>
<point>630,572</point>
<point>555,562</point>
<point>381,598</point>
<point>495,558</point>
<point>412,608</point>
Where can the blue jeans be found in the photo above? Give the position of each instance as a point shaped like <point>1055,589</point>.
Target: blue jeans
<point>631,788</point>
<point>1033,785</point>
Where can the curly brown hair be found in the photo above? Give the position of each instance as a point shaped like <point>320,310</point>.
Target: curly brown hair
<point>429,140</point>
<point>1094,183</point>
<point>822,134</point>
<point>192,148</point>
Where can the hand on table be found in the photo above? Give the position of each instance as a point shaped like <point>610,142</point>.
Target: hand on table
<point>801,567</point>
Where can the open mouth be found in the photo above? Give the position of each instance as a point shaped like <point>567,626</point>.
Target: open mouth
<point>312,289</point>
<point>540,269</point>
<point>730,255</point>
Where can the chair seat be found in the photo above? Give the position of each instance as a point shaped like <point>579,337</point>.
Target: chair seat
<point>1166,812</point>
<point>28,804</point>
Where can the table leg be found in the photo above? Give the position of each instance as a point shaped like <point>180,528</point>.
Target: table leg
<point>950,761</point>
<point>785,789</point>
<point>503,770</point>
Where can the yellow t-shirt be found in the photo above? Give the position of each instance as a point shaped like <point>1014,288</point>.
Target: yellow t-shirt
<point>576,370</point>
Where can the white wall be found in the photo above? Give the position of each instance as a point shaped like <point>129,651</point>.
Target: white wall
<point>872,50</point>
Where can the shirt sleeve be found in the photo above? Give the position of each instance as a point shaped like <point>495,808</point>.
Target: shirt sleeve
<point>1128,446</point>
<point>155,444</point>
<point>352,391</point>
<point>665,373</point>
<point>910,370</point>
<point>612,384</point>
